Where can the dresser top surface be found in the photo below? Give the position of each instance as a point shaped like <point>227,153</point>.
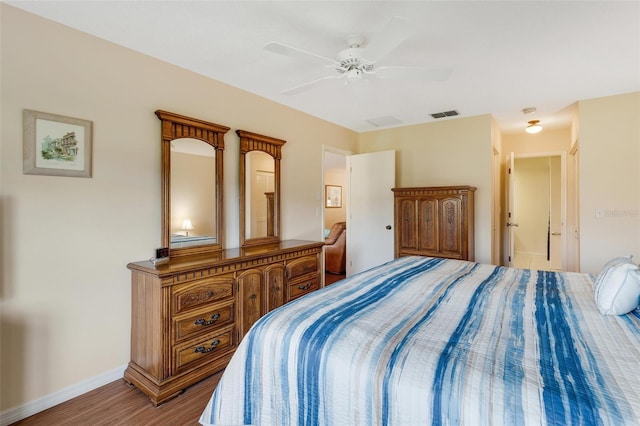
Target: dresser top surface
<point>223,257</point>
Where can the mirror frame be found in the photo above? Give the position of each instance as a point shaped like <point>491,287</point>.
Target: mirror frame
<point>254,142</point>
<point>175,126</point>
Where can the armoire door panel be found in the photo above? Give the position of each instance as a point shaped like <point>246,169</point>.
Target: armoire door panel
<point>408,232</point>
<point>427,231</point>
<point>451,225</point>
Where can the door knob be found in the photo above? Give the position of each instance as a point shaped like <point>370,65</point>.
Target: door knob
<point>388,226</point>
<point>556,233</point>
<point>511,224</point>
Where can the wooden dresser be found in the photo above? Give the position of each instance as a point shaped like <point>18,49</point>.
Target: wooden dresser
<point>189,315</point>
<point>434,221</point>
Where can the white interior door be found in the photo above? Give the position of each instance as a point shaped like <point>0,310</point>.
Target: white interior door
<point>264,182</point>
<point>511,220</point>
<point>370,210</point>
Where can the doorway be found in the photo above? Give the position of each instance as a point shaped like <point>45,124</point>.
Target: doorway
<point>335,175</point>
<point>366,204</point>
<point>537,212</point>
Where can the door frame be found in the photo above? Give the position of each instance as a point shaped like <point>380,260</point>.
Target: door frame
<point>563,198</point>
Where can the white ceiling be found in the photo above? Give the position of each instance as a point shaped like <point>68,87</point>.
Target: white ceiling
<point>505,55</point>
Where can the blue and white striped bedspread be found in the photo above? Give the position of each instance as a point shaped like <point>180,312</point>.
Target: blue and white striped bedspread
<point>422,341</point>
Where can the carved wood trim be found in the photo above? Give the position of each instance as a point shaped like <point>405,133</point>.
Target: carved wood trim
<point>176,126</point>
<point>250,141</point>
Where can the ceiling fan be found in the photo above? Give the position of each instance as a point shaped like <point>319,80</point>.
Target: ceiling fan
<point>359,59</point>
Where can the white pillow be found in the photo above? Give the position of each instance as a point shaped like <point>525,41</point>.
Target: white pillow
<point>617,289</point>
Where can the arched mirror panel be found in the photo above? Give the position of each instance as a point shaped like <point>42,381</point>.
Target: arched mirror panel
<point>192,167</point>
<point>193,218</point>
<point>259,188</point>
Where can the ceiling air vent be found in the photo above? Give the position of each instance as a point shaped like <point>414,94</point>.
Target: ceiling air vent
<point>451,113</point>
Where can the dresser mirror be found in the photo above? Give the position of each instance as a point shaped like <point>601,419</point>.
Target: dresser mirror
<point>192,166</point>
<point>259,188</point>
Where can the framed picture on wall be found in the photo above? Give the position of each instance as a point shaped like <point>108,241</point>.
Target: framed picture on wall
<point>333,196</point>
<point>56,145</point>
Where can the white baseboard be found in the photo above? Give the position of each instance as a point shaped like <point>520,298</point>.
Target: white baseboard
<point>15,414</point>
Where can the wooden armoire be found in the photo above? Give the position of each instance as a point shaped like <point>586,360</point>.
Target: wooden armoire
<point>434,221</point>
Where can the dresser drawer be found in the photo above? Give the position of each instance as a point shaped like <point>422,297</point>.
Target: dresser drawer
<point>301,287</point>
<point>302,266</point>
<point>201,292</point>
<point>204,321</point>
<point>203,350</point>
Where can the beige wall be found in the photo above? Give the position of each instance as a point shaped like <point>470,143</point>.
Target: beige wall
<point>451,152</point>
<point>609,140</point>
<point>549,140</point>
<point>65,293</point>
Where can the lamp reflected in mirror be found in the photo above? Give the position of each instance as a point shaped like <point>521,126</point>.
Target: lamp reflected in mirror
<point>187,226</point>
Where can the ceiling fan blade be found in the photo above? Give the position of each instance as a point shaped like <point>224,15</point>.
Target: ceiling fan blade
<point>394,33</point>
<point>294,52</point>
<point>414,73</point>
<point>310,85</point>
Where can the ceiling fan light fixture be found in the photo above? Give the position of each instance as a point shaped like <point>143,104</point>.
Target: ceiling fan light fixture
<point>354,74</point>
<point>533,127</point>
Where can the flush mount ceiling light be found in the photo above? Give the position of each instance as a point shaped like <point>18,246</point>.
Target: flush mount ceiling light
<point>533,127</point>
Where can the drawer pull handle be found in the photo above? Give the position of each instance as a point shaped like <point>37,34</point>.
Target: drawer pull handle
<point>204,322</point>
<point>203,350</point>
<point>307,286</point>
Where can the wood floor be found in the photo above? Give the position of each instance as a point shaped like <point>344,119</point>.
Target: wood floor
<point>332,278</point>
<point>118,404</point>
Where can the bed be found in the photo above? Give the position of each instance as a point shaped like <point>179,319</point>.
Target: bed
<point>424,340</point>
<point>181,241</point>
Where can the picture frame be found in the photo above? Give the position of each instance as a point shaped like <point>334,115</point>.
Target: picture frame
<point>333,196</point>
<point>56,145</point>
